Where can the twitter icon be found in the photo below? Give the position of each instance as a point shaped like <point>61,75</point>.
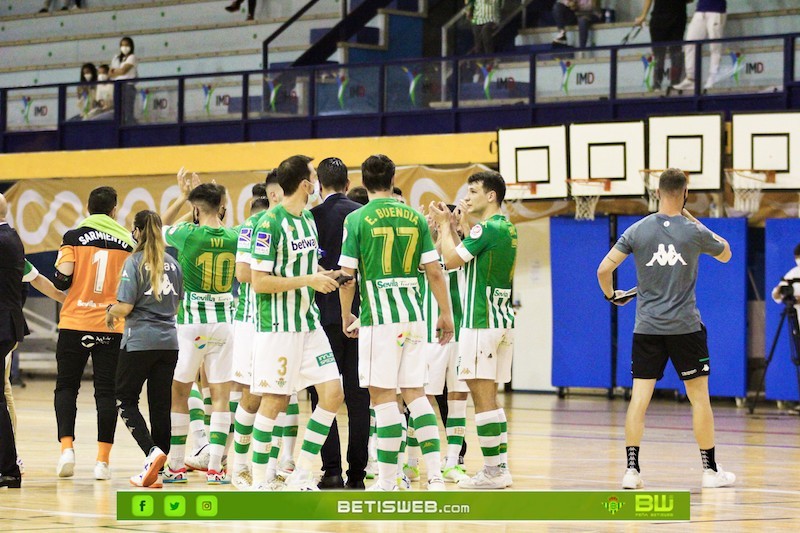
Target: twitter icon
<point>174,506</point>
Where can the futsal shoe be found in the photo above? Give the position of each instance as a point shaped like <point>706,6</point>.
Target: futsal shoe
<point>301,482</point>
<point>101,471</point>
<point>714,479</point>
<point>403,483</point>
<point>487,479</point>
<point>66,463</point>
<point>376,487</point>
<point>285,467</point>
<point>633,480</point>
<point>199,459</point>
<point>175,476</point>
<point>243,477</point>
<point>217,478</point>
<point>436,484</point>
<point>152,465</point>
<point>411,472</point>
<point>454,474</point>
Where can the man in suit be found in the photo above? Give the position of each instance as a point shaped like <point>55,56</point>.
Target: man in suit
<point>12,330</point>
<point>329,217</point>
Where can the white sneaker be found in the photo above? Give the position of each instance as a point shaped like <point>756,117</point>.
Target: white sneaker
<point>285,467</point>
<point>486,480</point>
<point>66,463</point>
<point>243,478</point>
<point>102,471</point>
<point>632,479</point>
<point>686,85</point>
<point>300,482</point>
<point>276,485</point>
<point>403,483</point>
<point>411,472</point>
<point>436,484</point>
<point>376,487</point>
<point>719,478</point>
<point>198,460</point>
<point>152,465</point>
<point>454,474</point>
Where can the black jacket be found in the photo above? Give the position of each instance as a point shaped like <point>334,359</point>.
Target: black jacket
<point>329,218</point>
<point>12,266</point>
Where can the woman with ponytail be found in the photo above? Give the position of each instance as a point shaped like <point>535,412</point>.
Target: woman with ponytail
<point>149,292</point>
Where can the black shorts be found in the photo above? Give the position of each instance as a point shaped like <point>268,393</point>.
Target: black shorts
<point>688,352</point>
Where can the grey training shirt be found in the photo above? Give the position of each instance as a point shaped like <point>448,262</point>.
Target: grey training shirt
<point>667,251</point>
<point>151,324</point>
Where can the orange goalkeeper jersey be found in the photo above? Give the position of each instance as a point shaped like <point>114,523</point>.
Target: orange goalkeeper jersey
<point>98,259</point>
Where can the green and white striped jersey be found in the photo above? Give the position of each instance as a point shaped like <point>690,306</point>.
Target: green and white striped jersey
<point>286,245</point>
<point>207,257</point>
<point>454,279</point>
<point>490,253</point>
<point>29,273</point>
<point>387,241</point>
<point>246,302</point>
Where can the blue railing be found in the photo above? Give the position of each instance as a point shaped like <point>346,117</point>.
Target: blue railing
<point>442,95</point>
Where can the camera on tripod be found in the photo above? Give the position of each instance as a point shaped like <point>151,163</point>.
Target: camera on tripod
<point>787,291</point>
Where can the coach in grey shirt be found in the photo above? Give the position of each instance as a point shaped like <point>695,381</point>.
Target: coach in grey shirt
<point>666,247</point>
<point>150,290</point>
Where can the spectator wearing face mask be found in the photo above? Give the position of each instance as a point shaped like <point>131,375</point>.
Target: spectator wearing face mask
<point>123,67</point>
<point>104,94</point>
<point>87,91</point>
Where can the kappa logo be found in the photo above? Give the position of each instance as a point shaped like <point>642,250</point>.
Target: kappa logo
<point>706,368</point>
<point>465,372</point>
<point>263,384</point>
<point>666,256</point>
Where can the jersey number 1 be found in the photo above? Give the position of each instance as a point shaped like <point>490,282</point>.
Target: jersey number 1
<point>101,258</point>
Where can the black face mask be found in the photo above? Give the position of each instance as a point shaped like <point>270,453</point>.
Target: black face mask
<point>221,214</point>
<point>685,198</point>
<point>135,240</point>
<point>195,216</point>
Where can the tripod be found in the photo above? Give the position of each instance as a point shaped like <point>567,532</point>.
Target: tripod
<point>789,314</point>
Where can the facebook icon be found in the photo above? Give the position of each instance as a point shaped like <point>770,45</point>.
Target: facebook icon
<point>142,506</point>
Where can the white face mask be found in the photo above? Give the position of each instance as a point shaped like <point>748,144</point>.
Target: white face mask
<point>125,50</point>
<point>87,76</point>
<point>314,196</point>
<point>797,260</point>
<point>102,77</point>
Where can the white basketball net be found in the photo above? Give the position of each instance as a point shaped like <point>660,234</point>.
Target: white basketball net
<point>747,189</point>
<point>585,207</point>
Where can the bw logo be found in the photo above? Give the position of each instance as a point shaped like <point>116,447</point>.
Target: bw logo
<point>666,256</point>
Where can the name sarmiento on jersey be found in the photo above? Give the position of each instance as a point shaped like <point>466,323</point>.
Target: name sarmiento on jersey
<point>91,236</point>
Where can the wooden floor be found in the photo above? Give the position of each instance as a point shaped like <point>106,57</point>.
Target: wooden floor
<point>575,444</point>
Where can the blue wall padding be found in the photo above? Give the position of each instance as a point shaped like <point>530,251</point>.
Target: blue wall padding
<point>781,236</point>
<point>581,316</point>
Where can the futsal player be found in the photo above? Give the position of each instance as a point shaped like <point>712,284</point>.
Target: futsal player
<point>486,338</point>
<point>386,242</point>
<point>667,246</point>
<point>207,258</point>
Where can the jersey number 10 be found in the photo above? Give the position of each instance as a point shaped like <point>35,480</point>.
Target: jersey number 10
<point>217,271</point>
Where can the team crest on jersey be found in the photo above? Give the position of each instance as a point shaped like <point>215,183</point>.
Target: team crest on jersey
<point>263,243</point>
<point>245,236</point>
<point>280,383</point>
<point>476,231</point>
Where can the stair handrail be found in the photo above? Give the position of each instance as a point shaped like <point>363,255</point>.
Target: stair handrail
<point>283,27</point>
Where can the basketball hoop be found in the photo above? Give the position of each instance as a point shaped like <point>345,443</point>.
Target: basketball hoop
<point>586,193</point>
<point>748,185</point>
<point>650,177</point>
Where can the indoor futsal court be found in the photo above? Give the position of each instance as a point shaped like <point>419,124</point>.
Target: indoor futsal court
<point>555,444</point>
<point>578,123</point>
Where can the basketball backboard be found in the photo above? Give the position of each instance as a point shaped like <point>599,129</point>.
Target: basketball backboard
<point>692,143</point>
<point>769,141</point>
<point>535,155</point>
